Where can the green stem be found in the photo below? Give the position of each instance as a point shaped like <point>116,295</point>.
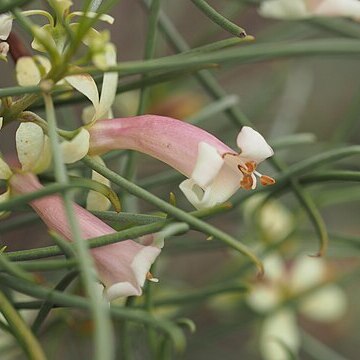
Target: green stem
<point>21,200</point>
<point>46,265</point>
<point>341,27</point>
<point>331,176</point>
<point>317,350</point>
<point>18,327</point>
<point>239,118</point>
<point>218,19</point>
<point>13,269</point>
<point>48,304</point>
<point>175,212</point>
<point>49,251</point>
<point>203,294</point>
<point>74,301</point>
<point>131,233</point>
<point>249,54</point>
<point>104,348</point>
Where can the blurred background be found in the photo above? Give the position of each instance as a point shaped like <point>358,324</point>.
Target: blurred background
<point>316,98</point>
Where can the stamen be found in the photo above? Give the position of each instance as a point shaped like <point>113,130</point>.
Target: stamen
<point>150,277</point>
<point>243,170</point>
<point>251,166</point>
<point>246,182</point>
<point>266,180</point>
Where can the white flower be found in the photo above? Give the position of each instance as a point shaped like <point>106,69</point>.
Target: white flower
<point>85,84</point>
<point>214,170</point>
<point>218,174</point>
<point>31,142</point>
<point>273,219</point>
<point>30,70</point>
<point>302,9</point>
<point>278,332</point>
<point>326,304</point>
<point>5,29</point>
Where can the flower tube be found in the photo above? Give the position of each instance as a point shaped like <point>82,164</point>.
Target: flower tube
<point>122,267</point>
<point>214,170</point>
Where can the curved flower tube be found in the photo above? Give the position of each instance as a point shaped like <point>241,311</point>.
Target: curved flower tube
<point>122,267</point>
<point>302,9</point>
<point>215,171</point>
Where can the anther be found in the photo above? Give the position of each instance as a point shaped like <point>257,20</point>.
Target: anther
<point>247,182</point>
<point>266,180</point>
<point>150,277</point>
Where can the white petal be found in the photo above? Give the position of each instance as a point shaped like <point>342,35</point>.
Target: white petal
<point>5,171</point>
<point>208,164</point>
<point>29,144</point>
<point>95,200</point>
<point>192,192</point>
<point>75,149</point>
<point>64,5</point>
<point>347,8</point>
<point>4,197</point>
<point>275,270</point>
<point>5,26</point>
<point>44,160</point>
<point>88,114</point>
<point>86,85</point>
<point>283,9</point>
<point>253,146</point>
<point>274,219</point>
<point>30,70</point>
<point>263,297</point>
<point>104,17</point>
<point>326,304</point>
<point>280,327</point>
<point>307,272</point>
<point>43,62</point>
<point>1,122</point>
<point>143,261</point>
<point>220,190</point>
<point>121,289</point>
<point>44,32</point>
<point>27,73</point>
<point>109,85</point>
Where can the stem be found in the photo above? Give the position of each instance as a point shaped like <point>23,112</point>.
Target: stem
<point>48,304</point>
<point>104,349</point>
<point>131,233</point>
<point>75,301</point>
<point>217,18</point>
<point>24,335</point>
<point>249,54</point>
<point>175,212</point>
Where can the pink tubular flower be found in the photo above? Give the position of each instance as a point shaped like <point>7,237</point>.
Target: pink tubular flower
<point>122,267</point>
<point>215,171</point>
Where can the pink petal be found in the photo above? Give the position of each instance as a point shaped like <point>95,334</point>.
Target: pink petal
<point>169,140</point>
<point>122,267</point>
